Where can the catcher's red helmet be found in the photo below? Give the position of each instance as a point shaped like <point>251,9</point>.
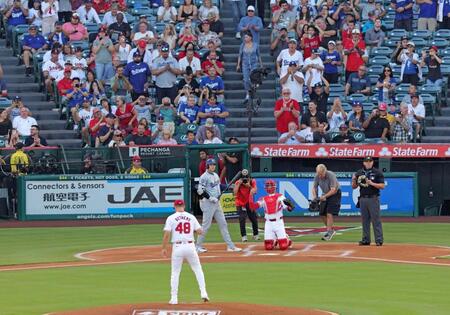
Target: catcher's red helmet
<point>270,186</point>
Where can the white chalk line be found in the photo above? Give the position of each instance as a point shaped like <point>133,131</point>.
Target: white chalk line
<point>308,247</point>
<point>249,250</point>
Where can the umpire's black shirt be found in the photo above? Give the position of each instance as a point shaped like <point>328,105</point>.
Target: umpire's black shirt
<point>375,175</point>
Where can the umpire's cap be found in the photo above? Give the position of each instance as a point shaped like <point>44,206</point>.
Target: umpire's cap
<point>210,162</point>
<point>368,159</point>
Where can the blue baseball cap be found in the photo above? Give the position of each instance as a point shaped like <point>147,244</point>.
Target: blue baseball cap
<point>210,162</point>
<point>357,103</point>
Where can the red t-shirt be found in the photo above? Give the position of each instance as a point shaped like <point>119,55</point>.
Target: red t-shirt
<point>207,64</point>
<point>64,84</point>
<point>309,44</point>
<point>125,116</point>
<point>286,117</point>
<point>92,123</point>
<point>354,59</point>
<point>102,6</point>
<point>243,193</point>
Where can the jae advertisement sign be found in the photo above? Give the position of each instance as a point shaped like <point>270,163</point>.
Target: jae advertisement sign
<point>397,199</point>
<point>100,198</point>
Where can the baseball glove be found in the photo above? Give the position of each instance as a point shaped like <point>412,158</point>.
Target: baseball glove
<point>289,204</point>
<point>314,205</point>
<point>362,181</point>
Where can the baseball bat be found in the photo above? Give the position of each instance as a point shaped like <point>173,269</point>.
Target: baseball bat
<point>238,175</point>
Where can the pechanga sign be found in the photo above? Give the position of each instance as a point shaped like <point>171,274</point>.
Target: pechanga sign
<point>98,197</point>
<point>157,151</point>
<point>330,151</point>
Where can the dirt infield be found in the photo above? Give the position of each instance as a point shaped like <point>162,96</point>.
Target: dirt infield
<point>300,252</point>
<point>203,308</point>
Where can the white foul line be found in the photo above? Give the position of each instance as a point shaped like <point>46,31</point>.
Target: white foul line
<point>248,251</point>
<point>308,248</point>
<point>346,253</point>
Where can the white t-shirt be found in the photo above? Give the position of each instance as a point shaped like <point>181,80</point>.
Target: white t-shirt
<point>285,58</point>
<point>195,64</point>
<point>54,69</point>
<point>214,140</point>
<point>306,134</point>
<point>23,125</point>
<point>295,87</point>
<point>46,12</point>
<point>80,73</point>
<point>182,226</point>
<point>166,14</point>
<point>88,17</point>
<point>37,18</point>
<point>419,110</point>
<point>86,115</point>
<point>109,19</point>
<point>139,35</point>
<point>314,72</point>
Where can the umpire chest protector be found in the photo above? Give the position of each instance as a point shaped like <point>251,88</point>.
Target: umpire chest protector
<point>272,205</point>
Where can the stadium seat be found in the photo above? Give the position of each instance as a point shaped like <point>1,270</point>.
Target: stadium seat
<point>425,34</point>
<point>379,60</point>
<point>442,33</point>
<point>397,33</point>
<point>439,42</point>
<point>391,42</point>
<point>398,98</point>
<point>402,88</point>
<point>357,97</point>
<point>420,43</point>
<point>142,11</point>
<point>381,51</point>
<point>4,102</point>
<point>80,43</point>
<point>159,27</point>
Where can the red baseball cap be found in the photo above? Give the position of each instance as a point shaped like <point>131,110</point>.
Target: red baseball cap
<point>178,202</point>
<point>136,158</point>
<point>142,43</point>
<point>382,106</point>
<point>434,48</point>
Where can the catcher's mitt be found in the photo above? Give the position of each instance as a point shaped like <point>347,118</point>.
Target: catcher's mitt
<point>362,181</point>
<point>314,205</point>
<point>289,204</point>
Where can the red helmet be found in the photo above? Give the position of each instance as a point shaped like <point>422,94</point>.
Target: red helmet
<point>270,186</point>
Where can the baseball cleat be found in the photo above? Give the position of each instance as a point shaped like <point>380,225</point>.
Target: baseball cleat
<point>244,238</point>
<point>201,250</point>
<point>379,243</point>
<point>256,237</point>
<point>205,299</point>
<point>329,235</point>
<point>234,249</point>
<point>363,243</point>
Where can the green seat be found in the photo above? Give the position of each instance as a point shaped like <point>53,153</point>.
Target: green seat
<point>357,98</point>
<point>4,102</point>
<point>425,34</point>
<point>337,88</point>
<point>439,42</point>
<point>142,11</point>
<point>420,42</point>
<point>399,97</point>
<point>402,88</point>
<point>92,27</point>
<point>397,33</point>
<point>183,128</point>
<point>84,44</point>
<point>442,33</point>
<point>159,27</point>
<point>359,136</point>
<point>3,140</point>
<point>376,69</point>
<point>391,42</point>
<point>18,31</point>
<point>445,69</point>
<point>380,60</point>
<point>388,23</point>
<point>381,51</point>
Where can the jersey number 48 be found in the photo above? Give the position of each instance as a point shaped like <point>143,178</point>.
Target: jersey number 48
<point>183,228</point>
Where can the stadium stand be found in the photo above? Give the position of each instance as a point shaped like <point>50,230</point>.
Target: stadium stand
<point>50,107</point>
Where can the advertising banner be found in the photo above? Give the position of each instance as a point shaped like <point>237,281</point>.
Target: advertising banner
<point>228,205</point>
<point>336,151</point>
<point>98,197</point>
<point>397,199</point>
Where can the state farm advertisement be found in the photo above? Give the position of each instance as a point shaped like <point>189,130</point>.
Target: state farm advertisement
<point>330,151</point>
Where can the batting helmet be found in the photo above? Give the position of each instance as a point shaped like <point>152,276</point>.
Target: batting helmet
<point>210,162</point>
<point>270,186</point>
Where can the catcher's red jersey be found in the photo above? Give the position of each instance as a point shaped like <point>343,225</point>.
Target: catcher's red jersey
<point>271,203</point>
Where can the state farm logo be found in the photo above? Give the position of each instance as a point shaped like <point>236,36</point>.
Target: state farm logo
<point>256,152</point>
<point>385,152</point>
<point>321,152</point>
<point>447,153</point>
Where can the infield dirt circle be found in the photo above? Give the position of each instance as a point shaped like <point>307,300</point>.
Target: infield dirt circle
<point>300,252</point>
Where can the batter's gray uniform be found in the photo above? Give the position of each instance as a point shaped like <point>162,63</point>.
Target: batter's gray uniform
<point>210,182</point>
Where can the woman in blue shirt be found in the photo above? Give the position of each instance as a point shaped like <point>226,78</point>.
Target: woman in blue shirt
<point>386,86</point>
<point>248,58</point>
<point>331,60</point>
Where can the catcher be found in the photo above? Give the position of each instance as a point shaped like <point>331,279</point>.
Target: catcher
<point>273,204</point>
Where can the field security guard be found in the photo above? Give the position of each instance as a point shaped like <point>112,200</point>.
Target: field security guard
<point>182,225</point>
<point>370,181</point>
<point>209,190</point>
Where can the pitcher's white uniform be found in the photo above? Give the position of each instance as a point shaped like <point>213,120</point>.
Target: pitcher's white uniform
<point>182,226</point>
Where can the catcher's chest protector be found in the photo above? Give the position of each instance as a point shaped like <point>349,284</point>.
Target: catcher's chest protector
<point>271,203</point>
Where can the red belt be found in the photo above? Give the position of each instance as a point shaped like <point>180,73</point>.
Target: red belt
<point>188,242</point>
<point>273,220</point>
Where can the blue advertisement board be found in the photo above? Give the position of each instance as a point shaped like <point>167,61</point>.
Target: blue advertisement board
<point>397,199</point>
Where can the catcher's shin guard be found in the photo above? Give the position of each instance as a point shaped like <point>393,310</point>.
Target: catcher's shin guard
<point>269,244</point>
<point>284,243</point>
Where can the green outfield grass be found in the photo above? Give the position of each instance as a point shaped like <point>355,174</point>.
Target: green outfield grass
<point>347,288</point>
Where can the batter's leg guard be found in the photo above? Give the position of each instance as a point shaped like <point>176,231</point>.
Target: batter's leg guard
<point>284,243</point>
<point>269,244</point>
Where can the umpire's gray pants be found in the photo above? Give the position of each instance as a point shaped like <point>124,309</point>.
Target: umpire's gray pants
<point>213,210</point>
<point>370,212</point>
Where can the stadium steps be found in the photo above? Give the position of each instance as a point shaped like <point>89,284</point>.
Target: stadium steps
<point>263,127</point>
<point>52,128</point>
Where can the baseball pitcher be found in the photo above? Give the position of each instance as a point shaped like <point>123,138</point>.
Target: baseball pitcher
<point>273,205</point>
<point>209,191</point>
<point>182,225</point>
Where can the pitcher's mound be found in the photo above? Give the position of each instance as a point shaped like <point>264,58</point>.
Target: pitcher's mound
<point>199,308</point>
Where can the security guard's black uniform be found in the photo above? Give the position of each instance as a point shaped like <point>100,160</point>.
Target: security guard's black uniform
<point>369,203</point>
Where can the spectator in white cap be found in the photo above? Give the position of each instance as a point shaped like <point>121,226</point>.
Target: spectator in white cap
<point>331,60</point>
<point>411,72</point>
<point>287,55</point>
<point>251,23</point>
<point>313,68</point>
<point>293,80</point>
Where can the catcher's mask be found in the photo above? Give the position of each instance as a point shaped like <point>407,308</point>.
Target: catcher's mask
<point>270,186</point>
